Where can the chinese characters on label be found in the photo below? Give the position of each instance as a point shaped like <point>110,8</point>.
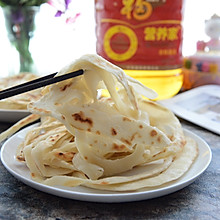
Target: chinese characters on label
<point>129,30</point>
<point>161,33</point>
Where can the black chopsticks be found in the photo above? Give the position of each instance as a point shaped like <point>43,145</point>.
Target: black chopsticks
<point>37,83</point>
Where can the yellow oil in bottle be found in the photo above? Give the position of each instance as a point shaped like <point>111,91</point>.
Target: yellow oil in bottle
<point>166,83</point>
<point>143,35</point>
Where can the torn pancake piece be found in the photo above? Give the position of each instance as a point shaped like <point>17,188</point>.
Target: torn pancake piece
<point>98,140</point>
<point>156,177</point>
<point>18,102</point>
<point>89,119</point>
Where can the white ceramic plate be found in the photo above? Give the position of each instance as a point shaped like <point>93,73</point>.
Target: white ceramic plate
<point>21,172</point>
<point>11,116</point>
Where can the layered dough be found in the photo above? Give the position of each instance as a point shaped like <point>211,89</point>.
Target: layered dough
<point>118,142</point>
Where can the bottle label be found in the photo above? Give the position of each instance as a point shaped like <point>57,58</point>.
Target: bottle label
<point>140,34</point>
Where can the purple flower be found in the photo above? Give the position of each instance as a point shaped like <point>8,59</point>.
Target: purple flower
<point>67,2</point>
<point>58,14</point>
<point>60,5</point>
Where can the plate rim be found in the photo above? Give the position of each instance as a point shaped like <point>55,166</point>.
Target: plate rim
<point>109,197</point>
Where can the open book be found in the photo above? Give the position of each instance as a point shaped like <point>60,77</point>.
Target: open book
<point>200,106</point>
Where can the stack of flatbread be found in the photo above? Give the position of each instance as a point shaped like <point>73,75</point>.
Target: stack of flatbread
<point>121,142</point>
<point>20,101</point>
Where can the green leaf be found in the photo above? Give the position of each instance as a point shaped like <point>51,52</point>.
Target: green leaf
<point>4,3</point>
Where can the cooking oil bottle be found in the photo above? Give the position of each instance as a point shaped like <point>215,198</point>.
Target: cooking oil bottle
<point>143,37</point>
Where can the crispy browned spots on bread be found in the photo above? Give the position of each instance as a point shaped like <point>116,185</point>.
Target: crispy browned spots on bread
<point>114,132</point>
<point>81,118</point>
<point>153,133</point>
<point>63,88</point>
<point>67,156</point>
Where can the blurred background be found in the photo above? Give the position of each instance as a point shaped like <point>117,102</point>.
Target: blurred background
<point>56,43</point>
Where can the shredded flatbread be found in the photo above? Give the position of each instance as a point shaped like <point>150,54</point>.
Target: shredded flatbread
<point>21,101</point>
<point>17,126</point>
<point>121,142</point>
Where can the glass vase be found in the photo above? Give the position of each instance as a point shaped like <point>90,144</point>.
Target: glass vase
<point>20,25</point>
